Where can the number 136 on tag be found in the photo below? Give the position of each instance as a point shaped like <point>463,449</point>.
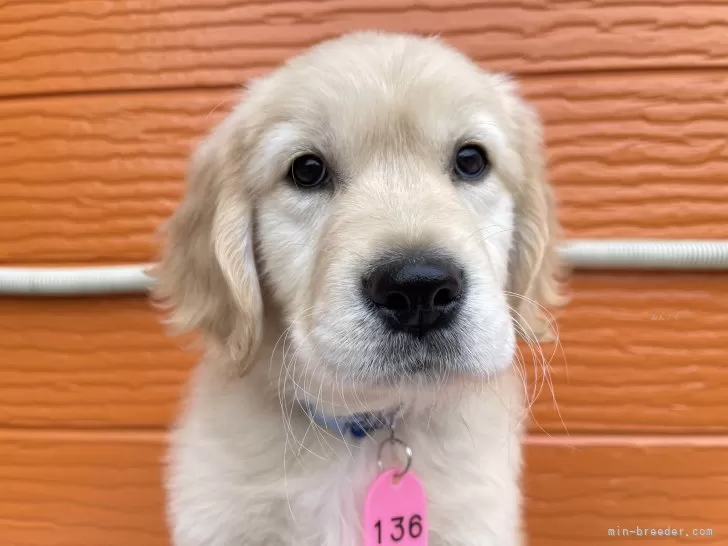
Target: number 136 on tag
<point>396,512</point>
<point>399,528</point>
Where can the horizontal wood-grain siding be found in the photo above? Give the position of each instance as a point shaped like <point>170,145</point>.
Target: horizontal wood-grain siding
<point>639,155</point>
<point>577,492</point>
<point>88,363</point>
<point>73,46</point>
<point>71,489</point>
<point>90,179</point>
<point>638,353</point>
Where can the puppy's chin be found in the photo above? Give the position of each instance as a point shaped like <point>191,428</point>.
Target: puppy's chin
<point>430,373</point>
<point>392,365</point>
<point>334,395</point>
<point>408,391</point>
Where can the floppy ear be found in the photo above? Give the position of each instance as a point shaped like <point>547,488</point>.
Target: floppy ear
<point>206,276</point>
<point>535,269</point>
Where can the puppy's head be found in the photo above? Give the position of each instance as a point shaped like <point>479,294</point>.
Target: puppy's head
<point>389,199</point>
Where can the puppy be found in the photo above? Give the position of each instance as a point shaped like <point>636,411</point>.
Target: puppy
<point>364,235</point>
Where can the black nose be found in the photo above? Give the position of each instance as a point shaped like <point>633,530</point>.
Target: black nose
<point>416,295</point>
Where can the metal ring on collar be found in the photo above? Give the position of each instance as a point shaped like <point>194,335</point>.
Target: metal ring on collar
<point>407,452</point>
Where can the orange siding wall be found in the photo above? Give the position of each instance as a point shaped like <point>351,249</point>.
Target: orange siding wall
<point>100,103</point>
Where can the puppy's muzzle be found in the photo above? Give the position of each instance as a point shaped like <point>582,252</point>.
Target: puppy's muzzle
<point>417,293</point>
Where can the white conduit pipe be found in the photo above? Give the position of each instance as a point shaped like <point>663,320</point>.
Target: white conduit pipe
<point>666,255</point>
<point>646,254</point>
<point>74,281</point>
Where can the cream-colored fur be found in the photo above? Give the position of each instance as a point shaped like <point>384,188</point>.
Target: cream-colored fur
<point>270,274</point>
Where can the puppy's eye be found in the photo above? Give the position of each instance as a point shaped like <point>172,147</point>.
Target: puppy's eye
<point>471,162</point>
<point>308,171</point>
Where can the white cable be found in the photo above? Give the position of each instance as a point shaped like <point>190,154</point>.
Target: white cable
<point>646,254</point>
<point>578,253</point>
<point>73,281</point>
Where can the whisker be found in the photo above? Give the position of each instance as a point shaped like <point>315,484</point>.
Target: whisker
<point>539,359</point>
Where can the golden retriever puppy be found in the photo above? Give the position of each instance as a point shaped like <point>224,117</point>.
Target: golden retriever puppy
<point>360,241</point>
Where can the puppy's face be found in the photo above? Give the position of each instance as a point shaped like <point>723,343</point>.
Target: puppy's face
<point>388,198</point>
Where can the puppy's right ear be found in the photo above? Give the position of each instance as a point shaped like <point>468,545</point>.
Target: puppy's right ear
<point>536,269</point>
<point>206,276</point>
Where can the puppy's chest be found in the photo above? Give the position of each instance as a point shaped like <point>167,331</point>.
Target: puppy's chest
<point>328,505</point>
<point>327,508</point>
<point>471,494</point>
<point>332,514</point>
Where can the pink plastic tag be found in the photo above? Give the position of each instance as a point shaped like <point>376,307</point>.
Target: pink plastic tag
<point>395,513</point>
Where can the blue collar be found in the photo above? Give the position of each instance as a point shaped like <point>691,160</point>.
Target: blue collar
<point>358,425</point>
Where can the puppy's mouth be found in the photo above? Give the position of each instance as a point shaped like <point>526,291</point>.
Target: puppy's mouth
<point>425,368</point>
<point>402,358</point>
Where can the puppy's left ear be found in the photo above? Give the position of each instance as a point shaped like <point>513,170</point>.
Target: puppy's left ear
<point>206,275</point>
<point>536,270</point>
